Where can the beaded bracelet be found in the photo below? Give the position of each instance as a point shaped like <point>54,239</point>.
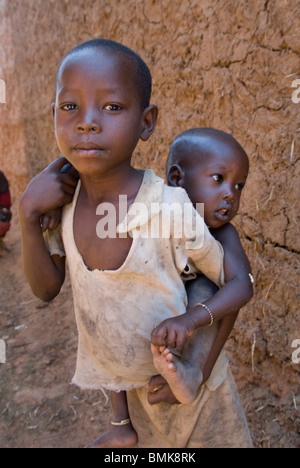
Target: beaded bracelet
<point>209,311</point>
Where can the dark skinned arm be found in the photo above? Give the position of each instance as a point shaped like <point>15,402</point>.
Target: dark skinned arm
<point>237,291</point>
<point>46,192</point>
<point>234,254</point>
<point>235,264</point>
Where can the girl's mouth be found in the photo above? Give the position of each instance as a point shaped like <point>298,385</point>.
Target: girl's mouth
<point>88,153</point>
<point>88,149</point>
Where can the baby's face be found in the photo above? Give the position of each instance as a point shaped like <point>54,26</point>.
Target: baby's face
<point>97,113</point>
<point>217,181</point>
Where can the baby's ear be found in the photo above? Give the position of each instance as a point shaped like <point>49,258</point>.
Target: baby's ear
<point>175,176</point>
<point>150,116</point>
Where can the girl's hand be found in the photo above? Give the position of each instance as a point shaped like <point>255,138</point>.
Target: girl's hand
<point>51,189</point>
<point>173,332</point>
<point>52,219</point>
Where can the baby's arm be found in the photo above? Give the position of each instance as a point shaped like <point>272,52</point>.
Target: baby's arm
<point>45,192</point>
<point>225,327</point>
<point>234,254</point>
<point>237,291</point>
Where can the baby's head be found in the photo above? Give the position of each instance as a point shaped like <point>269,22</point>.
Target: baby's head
<point>102,109</point>
<point>212,167</point>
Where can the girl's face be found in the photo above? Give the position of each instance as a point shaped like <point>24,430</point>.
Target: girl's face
<point>98,118</point>
<point>217,180</point>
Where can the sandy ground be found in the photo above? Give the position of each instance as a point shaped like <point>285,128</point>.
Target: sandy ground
<point>38,406</point>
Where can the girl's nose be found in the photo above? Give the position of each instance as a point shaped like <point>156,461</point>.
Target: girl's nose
<point>88,123</point>
<point>88,128</point>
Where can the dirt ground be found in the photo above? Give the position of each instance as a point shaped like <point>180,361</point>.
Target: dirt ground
<point>38,406</point>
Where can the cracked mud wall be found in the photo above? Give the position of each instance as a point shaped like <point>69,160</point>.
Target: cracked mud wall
<point>229,65</point>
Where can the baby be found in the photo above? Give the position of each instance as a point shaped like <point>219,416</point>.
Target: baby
<point>213,168</point>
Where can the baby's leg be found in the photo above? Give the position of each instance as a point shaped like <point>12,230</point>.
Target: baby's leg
<point>184,375</point>
<point>123,434</point>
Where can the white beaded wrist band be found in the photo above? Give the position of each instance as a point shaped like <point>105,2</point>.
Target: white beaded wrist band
<point>209,311</point>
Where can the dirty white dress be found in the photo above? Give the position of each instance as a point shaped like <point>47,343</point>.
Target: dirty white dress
<point>116,311</point>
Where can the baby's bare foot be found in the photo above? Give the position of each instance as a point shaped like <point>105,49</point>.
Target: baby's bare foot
<point>184,378</point>
<point>116,437</point>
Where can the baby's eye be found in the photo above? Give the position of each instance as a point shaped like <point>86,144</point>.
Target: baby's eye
<point>69,107</point>
<point>112,107</point>
<point>218,178</point>
<point>239,187</point>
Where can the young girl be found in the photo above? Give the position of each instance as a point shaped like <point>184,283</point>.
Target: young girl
<point>125,284</point>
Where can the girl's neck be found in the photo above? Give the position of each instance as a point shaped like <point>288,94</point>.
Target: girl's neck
<point>107,187</point>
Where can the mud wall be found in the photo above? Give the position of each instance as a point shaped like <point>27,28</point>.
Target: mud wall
<point>230,65</point>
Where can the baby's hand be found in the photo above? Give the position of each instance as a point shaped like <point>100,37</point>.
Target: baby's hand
<point>173,332</point>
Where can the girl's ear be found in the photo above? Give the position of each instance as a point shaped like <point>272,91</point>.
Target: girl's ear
<point>175,176</point>
<point>150,115</point>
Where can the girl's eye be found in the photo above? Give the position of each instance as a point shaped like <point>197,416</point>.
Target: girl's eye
<point>112,107</point>
<point>69,107</point>
<point>218,178</point>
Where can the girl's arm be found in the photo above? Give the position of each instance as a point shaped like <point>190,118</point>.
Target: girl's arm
<point>47,191</point>
<point>44,273</point>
